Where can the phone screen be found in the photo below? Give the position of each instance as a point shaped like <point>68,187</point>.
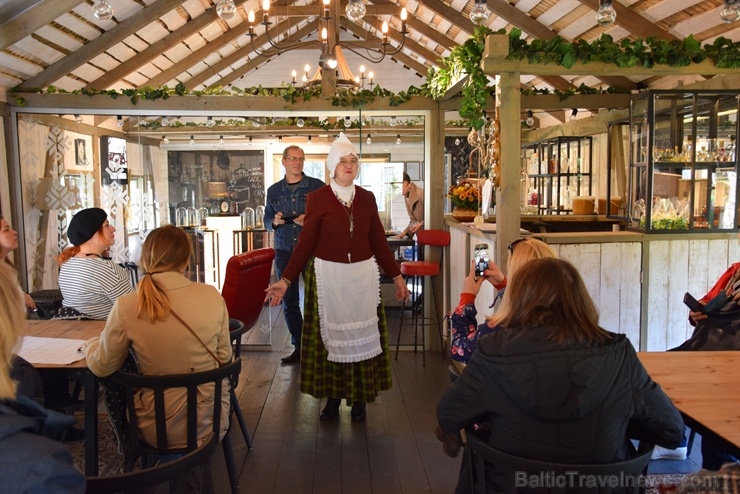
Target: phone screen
<point>692,303</point>
<point>481,260</point>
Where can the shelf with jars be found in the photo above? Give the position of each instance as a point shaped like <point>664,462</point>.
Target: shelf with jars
<point>683,161</point>
<point>556,176</point>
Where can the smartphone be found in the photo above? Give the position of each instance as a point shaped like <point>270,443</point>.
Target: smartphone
<point>693,304</point>
<point>289,219</point>
<point>481,260</point>
<point>716,304</point>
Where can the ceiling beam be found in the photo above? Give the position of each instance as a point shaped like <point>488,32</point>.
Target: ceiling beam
<point>523,21</point>
<point>633,22</point>
<point>214,69</point>
<point>156,49</point>
<point>449,13</point>
<point>34,19</point>
<point>81,56</point>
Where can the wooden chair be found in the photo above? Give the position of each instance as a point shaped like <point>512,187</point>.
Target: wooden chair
<point>628,474</point>
<point>247,277</point>
<point>134,448</point>
<point>174,472</point>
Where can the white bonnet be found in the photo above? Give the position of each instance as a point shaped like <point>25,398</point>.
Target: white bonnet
<point>340,148</point>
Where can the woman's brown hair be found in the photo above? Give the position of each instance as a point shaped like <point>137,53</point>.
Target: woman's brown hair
<point>166,248</point>
<point>550,293</point>
<point>72,251</point>
<point>12,317</point>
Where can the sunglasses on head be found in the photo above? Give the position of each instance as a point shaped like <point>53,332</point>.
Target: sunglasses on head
<point>513,244</point>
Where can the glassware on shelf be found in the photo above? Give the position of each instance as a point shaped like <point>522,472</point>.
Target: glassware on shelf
<point>259,221</point>
<point>181,217</point>
<point>192,217</point>
<point>202,215</point>
<point>248,220</point>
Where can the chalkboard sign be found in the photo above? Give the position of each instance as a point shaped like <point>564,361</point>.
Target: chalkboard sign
<point>195,175</point>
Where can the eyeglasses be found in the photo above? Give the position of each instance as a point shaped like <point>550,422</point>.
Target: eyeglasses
<point>513,244</point>
<point>295,159</point>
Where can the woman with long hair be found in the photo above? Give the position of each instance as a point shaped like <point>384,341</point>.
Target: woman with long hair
<point>552,384</point>
<point>90,281</point>
<point>174,326</point>
<point>465,329</point>
<point>8,243</point>
<point>31,458</point>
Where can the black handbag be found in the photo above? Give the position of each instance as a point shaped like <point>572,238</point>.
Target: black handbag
<point>719,331</point>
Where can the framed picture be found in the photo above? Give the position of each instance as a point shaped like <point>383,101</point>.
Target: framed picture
<point>81,153</point>
<point>413,169</point>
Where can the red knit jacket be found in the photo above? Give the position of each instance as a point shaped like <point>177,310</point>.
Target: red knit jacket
<point>326,233</point>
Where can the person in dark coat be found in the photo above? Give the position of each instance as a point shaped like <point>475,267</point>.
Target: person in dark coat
<point>31,460</point>
<point>552,384</point>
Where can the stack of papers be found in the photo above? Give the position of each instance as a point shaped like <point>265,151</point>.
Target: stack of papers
<point>59,351</point>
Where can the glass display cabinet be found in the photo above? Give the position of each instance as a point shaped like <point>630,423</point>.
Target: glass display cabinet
<point>556,176</point>
<point>683,161</point>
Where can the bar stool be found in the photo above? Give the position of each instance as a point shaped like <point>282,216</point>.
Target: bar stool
<point>418,271</point>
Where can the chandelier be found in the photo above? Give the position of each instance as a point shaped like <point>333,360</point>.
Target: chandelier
<point>328,39</point>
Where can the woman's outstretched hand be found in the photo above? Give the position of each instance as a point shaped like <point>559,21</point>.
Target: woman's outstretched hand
<point>275,292</point>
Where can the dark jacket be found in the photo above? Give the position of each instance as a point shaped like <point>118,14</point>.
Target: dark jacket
<point>30,460</point>
<point>569,403</point>
<point>291,202</point>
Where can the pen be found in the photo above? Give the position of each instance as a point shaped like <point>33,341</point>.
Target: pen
<point>79,350</point>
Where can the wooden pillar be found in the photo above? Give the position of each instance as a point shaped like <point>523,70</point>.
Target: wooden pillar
<point>508,212</point>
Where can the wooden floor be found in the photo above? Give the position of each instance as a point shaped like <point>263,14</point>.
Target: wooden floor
<point>393,451</point>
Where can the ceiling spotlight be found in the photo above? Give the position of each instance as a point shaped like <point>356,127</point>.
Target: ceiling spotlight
<point>730,11</point>
<point>480,12</point>
<point>165,121</point>
<point>355,10</point>
<point>280,138</point>
<point>398,138</point>
<point>250,141</point>
<point>369,139</point>
<point>300,122</point>
<point>192,140</point>
<point>347,122</point>
<point>394,122</point>
<point>309,140</point>
<point>210,122</point>
<point>226,9</point>
<point>78,118</point>
<point>102,10</point>
<point>119,121</point>
<point>165,140</point>
<point>606,14</point>
<point>573,114</point>
<point>530,118</point>
<point>221,141</point>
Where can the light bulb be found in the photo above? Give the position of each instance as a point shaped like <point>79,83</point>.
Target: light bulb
<point>300,122</point>
<point>102,10</point>
<point>309,141</point>
<point>226,9</point>
<point>331,61</point>
<point>480,12</point>
<point>210,122</point>
<point>530,118</point>
<point>265,5</point>
<point>457,141</point>
<point>165,140</point>
<point>165,121</point>
<point>347,122</point>
<point>78,118</point>
<point>355,10</point>
<point>119,121</point>
<point>369,139</point>
<point>606,14</point>
<point>280,138</point>
<point>250,17</point>
<point>730,12</point>
<point>192,140</point>
<point>398,138</point>
<point>250,141</point>
<point>393,121</point>
<point>221,141</point>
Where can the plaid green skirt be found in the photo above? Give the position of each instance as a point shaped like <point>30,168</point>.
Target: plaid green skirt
<point>358,381</point>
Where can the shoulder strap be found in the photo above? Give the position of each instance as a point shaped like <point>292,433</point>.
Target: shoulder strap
<point>220,364</point>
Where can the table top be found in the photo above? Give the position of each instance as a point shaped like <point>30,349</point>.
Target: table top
<point>702,385</point>
<point>58,328</point>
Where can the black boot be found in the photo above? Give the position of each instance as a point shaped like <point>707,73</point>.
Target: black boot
<point>331,409</point>
<point>358,413</point>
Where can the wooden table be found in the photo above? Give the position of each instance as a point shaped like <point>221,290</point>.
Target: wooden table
<point>704,387</point>
<point>76,330</point>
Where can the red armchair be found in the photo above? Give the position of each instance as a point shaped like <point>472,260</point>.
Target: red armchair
<point>247,278</point>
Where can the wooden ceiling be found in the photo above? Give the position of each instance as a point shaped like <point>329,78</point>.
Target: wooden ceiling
<point>156,42</point>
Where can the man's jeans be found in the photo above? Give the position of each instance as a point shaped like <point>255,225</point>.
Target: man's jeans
<point>291,300</point>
